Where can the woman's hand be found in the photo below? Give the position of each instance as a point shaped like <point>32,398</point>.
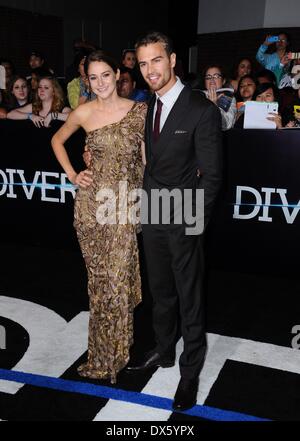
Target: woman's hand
<point>284,60</point>
<point>37,120</point>
<point>290,124</point>
<point>83,179</point>
<point>276,118</point>
<point>212,95</point>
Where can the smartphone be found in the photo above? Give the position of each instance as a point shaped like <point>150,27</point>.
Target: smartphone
<point>273,39</point>
<point>224,102</point>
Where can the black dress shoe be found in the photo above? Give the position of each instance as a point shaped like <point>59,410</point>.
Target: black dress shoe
<point>151,359</point>
<point>186,394</point>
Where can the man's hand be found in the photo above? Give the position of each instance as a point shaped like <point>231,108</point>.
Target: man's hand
<point>87,157</point>
<point>83,179</point>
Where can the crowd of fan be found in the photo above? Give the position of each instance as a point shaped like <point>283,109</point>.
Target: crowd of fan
<point>275,80</point>
<point>41,98</point>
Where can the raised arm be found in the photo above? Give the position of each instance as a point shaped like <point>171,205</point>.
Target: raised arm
<point>261,55</point>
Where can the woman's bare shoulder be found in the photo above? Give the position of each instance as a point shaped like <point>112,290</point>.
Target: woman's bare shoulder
<point>83,112</point>
<point>85,108</point>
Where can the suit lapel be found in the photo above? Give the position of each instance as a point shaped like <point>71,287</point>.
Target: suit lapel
<point>173,122</point>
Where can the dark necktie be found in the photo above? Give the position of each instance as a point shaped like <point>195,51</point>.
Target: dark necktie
<point>156,131</point>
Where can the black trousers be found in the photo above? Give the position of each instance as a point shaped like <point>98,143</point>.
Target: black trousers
<point>175,268</point>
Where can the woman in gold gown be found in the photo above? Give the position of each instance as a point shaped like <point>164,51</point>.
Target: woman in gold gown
<point>115,134</point>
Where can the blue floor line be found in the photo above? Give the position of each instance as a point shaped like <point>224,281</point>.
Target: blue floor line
<point>142,399</point>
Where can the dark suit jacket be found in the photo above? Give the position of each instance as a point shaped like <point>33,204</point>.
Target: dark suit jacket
<point>191,140</point>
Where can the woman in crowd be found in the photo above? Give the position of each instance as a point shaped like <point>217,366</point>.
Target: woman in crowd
<point>115,133</point>
<point>48,105</point>
<point>268,93</point>
<point>243,68</point>
<point>129,58</point>
<point>18,95</point>
<point>246,89</point>
<point>129,62</point>
<point>214,81</point>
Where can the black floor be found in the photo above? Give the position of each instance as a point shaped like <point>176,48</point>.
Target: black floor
<point>246,306</point>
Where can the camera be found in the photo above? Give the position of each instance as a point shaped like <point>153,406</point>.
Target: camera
<point>273,39</point>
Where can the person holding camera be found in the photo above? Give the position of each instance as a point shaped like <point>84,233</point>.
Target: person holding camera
<point>277,61</point>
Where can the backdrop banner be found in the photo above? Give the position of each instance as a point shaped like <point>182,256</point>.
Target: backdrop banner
<point>36,198</point>
<point>256,223</point>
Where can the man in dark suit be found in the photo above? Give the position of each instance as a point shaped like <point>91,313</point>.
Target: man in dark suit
<point>183,152</point>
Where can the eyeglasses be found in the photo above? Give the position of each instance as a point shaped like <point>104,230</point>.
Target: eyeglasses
<point>215,76</point>
<point>283,40</point>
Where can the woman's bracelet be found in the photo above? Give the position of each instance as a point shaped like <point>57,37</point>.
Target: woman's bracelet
<point>54,115</point>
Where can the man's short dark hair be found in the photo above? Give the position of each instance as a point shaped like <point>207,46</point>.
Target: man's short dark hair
<point>156,37</point>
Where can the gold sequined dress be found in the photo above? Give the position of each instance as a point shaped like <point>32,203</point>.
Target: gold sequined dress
<point>110,250</point>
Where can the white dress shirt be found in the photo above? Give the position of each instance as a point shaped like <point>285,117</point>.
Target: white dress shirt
<point>168,100</point>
